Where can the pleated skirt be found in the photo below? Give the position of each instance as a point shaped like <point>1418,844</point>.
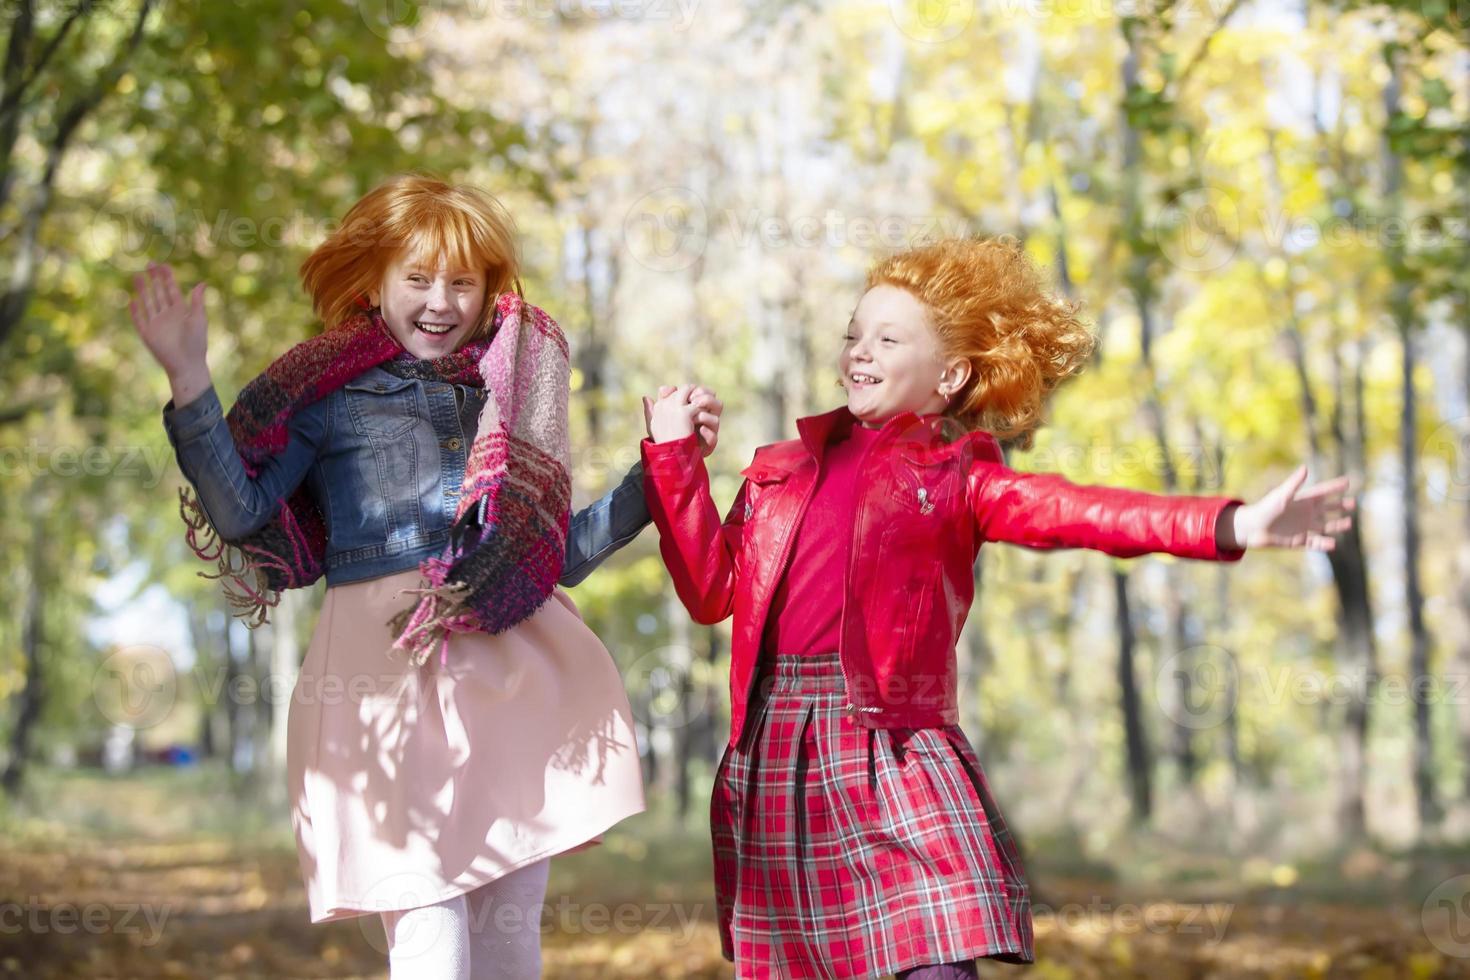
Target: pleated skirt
<point>843,851</point>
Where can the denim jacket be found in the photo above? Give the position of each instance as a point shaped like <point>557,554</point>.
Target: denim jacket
<point>384,458</point>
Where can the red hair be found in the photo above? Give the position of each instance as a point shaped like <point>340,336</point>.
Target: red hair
<point>424,217</point>
<point>988,304</point>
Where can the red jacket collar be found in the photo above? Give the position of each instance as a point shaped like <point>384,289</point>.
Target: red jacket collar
<point>817,430</point>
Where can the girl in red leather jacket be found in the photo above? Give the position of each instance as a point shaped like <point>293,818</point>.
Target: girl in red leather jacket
<point>854,832</point>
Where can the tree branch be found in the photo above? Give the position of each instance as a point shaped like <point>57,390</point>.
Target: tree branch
<point>15,58</point>
<point>23,269</point>
<point>1204,47</point>
<point>10,102</point>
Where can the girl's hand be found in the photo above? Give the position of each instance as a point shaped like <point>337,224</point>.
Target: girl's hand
<point>174,331</point>
<point>1289,517</point>
<point>672,416</point>
<point>708,409</point>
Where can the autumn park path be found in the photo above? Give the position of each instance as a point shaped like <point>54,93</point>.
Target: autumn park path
<point>210,904</point>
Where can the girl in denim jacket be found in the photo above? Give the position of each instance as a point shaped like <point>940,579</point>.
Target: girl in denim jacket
<point>415,454</point>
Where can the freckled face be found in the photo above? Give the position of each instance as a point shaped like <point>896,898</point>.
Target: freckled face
<point>430,311</point>
<point>891,359</point>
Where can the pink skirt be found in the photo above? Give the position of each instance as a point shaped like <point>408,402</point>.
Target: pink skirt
<point>412,785</point>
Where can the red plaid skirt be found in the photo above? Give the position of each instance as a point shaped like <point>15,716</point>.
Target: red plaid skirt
<point>843,851</point>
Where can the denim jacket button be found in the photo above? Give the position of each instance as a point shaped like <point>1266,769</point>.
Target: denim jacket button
<point>453,444</point>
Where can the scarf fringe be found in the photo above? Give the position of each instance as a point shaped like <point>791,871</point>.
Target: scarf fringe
<point>426,626</point>
<point>252,605</point>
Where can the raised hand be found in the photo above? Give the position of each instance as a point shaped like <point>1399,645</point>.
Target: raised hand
<point>671,416</point>
<point>174,330</point>
<point>1290,517</point>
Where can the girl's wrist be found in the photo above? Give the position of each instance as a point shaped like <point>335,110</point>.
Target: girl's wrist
<point>1229,532</point>
<point>189,384</point>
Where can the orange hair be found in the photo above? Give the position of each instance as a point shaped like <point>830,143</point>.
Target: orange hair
<point>989,305</point>
<point>425,217</point>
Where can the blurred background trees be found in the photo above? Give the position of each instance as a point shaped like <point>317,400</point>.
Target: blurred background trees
<point>1262,206</point>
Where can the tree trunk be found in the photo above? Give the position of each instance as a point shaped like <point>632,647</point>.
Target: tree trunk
<point>1463,568</point>
<point>285,663</point>
<point>1181,736</point>
<point>1137,763</point>
<point>1402,310</point>
<point>680,667</point>
<point>33,693</point>
<point>1357,651</point>
<point>204,664</point>
<point>237,724</point>
<point>711,740</point>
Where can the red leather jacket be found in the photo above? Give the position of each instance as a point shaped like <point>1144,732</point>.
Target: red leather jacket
<point>927,503</point>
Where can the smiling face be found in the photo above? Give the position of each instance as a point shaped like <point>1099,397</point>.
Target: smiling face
<point>892,360</point>
<point>430,310</point>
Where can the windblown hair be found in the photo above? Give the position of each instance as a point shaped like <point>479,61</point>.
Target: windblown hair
<point>421,217</point>
<point>988,303</point>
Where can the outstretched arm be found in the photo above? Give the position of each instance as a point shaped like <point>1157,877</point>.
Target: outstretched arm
<point>602,528</point>
<point>1046,511</point>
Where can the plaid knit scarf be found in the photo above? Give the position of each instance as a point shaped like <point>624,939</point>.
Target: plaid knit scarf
<point>508,541</point>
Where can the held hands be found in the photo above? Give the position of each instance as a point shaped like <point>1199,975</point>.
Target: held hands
<point>1289,517</point>
<point>682,411</point>
<point>174,330</point>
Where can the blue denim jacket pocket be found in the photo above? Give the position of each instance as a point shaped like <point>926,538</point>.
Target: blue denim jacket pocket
<point>381,405</point>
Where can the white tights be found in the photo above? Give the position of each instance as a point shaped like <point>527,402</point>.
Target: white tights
<point>491,933</point>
